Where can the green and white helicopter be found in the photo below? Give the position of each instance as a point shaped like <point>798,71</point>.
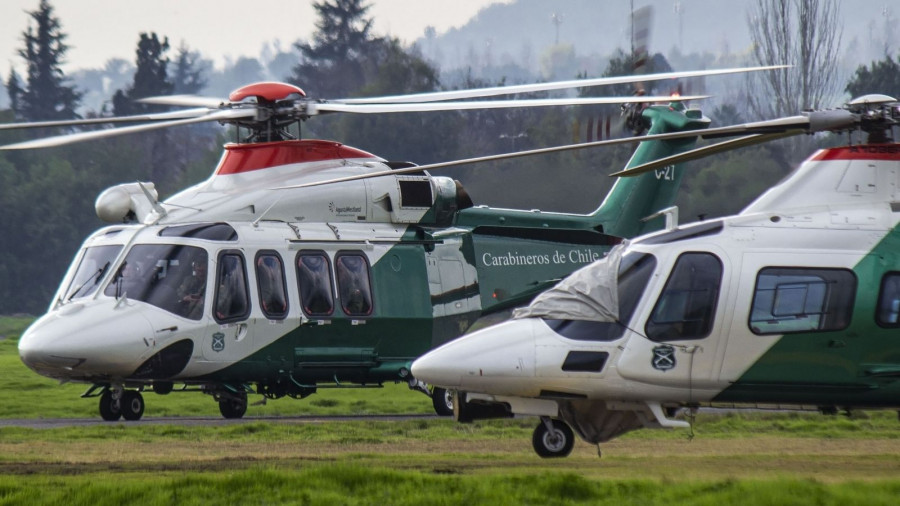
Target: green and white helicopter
<point>337,285</point>
<point>794,302</point>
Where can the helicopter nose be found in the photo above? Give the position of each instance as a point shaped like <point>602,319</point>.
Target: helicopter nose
<point>497,360</point>
<point>77,343</point>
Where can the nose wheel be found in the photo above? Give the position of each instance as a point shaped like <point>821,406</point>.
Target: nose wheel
<point>132,405</point>
<point>117,403</point>
<point>442,400</point>
<point>234,405</point>
<point>110,406</point>
<point>552,438</point>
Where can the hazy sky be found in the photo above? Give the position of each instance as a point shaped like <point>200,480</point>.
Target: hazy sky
<point>102,29</point>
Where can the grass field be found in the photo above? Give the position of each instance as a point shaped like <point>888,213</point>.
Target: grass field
<point>735,458</point>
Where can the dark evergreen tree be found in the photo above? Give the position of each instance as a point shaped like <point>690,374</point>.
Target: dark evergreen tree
<point>150,77</point>
<point>189,72</point>
<point>14,90</point>
<point>880,77</point>
<point>597,122</point>
<point>245,70</point>
<point>332,64</point>
<point>163,161</point>
<point>47,95</point>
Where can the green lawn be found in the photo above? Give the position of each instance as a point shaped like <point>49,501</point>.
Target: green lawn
<point>734,458</point>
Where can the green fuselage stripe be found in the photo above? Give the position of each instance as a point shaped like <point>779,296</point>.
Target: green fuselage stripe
<point>850,367</point>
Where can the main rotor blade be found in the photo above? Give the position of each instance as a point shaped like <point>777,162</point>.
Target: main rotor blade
<point>488,104</point>
<point>164,116</point>
<point>704,151</point>
<point>767,130</point>
<point>810,122</point>
<point>556,85</point>
<point>502,156</point>
<point>61,140</point>
<point>185,100</point>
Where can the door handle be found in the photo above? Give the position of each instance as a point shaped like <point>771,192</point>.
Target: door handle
<point>241,332</point>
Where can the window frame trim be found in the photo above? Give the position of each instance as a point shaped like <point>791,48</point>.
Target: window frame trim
<point>851,303</point>
<point>215,303</point>
<point>357,253</point>
<point>878,321</point>
<point>287,298</point>
<point>331,281</point>
<point>666,285</point>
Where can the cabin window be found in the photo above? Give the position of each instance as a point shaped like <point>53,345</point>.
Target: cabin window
<point>635,270</point>
<point>91,270</point>
<point>889,301</point>
<point>687,304</point>
<point>354,288</point>
<point>314,280</point>
<point>794,299</point>
<point>232,297</point>
<point>171,277</point>
<point>271,284</point>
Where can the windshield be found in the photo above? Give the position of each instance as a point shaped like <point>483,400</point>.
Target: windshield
<point>91,270</point>
<point>168,276</point>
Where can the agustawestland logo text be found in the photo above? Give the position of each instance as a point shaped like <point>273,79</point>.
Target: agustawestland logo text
<point>344,210</point>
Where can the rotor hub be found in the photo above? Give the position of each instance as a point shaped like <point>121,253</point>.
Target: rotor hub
<point>265,91</point>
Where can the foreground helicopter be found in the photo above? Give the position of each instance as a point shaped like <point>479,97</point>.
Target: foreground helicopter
<point>250,282</point>
<point>795,302</point>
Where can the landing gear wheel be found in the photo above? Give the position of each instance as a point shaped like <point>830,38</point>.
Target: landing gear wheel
<point>442,400</point>
<point>554,441</point>
<point>132,405</point>
<point>233,406</point>
<point>110,409</point>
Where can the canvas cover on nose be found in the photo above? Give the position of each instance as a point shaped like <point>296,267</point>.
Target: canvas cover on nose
<point>590,293</point>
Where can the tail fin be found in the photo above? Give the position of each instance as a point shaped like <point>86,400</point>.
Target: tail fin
<point>632,199</point>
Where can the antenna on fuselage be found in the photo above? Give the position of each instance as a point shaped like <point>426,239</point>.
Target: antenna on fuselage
<point>160,210</point>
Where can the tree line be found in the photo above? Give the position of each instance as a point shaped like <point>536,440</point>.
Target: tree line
<point>46,197</point>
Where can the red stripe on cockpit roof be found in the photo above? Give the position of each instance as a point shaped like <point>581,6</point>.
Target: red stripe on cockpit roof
<point>240,158</point>
<point>861,152</point>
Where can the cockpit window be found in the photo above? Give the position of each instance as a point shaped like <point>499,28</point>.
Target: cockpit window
<point>687,304</point>
<point>635,270</point>
<point>91,270</point>
<point>168,276</point>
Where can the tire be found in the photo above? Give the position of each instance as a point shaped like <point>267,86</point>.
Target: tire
<point>163,387</point>
<point>132,405</point>
<point>554,443</point>
<point>110,409</point>
<point>442,400</point>
<point>234,406</point>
